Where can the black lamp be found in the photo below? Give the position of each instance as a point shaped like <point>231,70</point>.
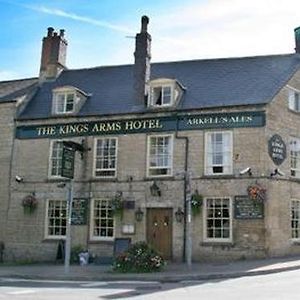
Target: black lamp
<point>155,190</point>
<point>179,215</point>
<point>139,215</point>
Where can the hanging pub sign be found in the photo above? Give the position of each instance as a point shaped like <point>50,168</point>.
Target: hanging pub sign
<point>277,149</point>
<point>67,165</point>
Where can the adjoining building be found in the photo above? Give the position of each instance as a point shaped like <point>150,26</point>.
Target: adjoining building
<point>223,133</point>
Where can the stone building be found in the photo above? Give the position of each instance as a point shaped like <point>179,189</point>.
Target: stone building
<point>206,151</point>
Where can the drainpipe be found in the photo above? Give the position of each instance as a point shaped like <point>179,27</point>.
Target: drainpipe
<point>186,139</point>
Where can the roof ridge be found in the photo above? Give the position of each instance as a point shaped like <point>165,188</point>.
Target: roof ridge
<point>21,79</point>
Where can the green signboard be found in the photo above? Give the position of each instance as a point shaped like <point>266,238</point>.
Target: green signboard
<point>79,211</point>
<point>67,168</point>
<point>156,124</point>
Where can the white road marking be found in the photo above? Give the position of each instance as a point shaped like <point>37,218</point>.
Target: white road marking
<point>22,292</point>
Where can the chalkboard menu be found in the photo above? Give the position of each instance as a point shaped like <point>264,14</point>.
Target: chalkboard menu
<point>246,208</point>
<point>79,211</point>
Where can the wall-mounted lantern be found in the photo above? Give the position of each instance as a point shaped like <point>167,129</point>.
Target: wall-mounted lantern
<point>139,214</point>
<point>179,215</point>
<point>155,190</point>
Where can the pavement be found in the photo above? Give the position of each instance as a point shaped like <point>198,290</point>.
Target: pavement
<point>173,272</point>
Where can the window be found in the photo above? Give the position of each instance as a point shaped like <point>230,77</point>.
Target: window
<point>218,219</point>
<point>218,152</point>
<point>294,100</point>
<point>295,219</point>
<point>160,155</point>
<point>64,102</point>
<point>161,95</point>
<point>295,157</point>
<point>56,158</point>
<point>102,221</point>
<point>105,163</point>
<point>56,220</point>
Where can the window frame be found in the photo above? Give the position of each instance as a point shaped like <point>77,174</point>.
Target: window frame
<point>171,137</point>
<point>162,86</point>
<point>206,154</point>
<point>291,219</point>
<point>293,138</point>
<point>50,160</point>
<point>116,157</point>
<point>65,93</point>
<point>218,240</point>
<point>293,103</point>
<point>46,232</point>
<point>91,231</point>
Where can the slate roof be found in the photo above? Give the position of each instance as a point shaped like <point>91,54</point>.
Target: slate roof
<point>12,89</point>
<point>209,83</point>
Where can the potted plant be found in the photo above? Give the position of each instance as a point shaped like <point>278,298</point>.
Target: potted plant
<point>196,202</point>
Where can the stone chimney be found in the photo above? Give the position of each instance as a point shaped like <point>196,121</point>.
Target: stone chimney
<point>53,58</point>
<point>297,39</point>
<point>142,58</point>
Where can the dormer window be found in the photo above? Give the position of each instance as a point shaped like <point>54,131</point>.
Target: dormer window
<point>64,103</point>
<point>294,100</point>
<point>164,92</point>
<point>67,100</point>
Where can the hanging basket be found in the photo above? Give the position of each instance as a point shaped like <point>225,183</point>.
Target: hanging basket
<point>29,204</point>
<point>257,193</point>
<point>196,203</point>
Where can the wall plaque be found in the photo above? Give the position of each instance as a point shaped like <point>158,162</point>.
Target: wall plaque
<point>277,149</point>
<point>79,211</point>
<point>246,208</point>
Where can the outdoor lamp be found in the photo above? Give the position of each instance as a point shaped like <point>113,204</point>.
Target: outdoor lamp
<point>139,215</point>
<point>179,215</point>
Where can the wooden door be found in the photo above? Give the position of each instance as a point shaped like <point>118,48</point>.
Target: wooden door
<point>159,230</point>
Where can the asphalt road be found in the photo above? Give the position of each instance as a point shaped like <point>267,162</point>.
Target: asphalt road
<point>283,286</point>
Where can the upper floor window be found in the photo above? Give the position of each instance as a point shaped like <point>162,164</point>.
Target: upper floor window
<point>294,100</point>
<point>164,92</point>
<point>160,155</point>
<point>218,153</point>
<point>105,157</point>
<point>295,157</point>
<point>64,102</point>
<point>56,158</point>
<point>67,100</point>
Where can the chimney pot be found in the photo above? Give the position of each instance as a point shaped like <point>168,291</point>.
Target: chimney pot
<point>62,32</point>
<point>297,39</point>
<point>145,21</point>
<point>50,31</point>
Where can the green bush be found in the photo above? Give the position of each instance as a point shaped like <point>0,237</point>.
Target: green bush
<point>140,258</point>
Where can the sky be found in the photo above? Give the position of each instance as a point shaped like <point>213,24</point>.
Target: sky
<point>101,32</point>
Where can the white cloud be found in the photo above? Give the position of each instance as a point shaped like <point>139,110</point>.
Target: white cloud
<point>8,75</point>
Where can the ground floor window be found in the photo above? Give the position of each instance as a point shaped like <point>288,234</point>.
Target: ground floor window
<point>102,220</point>
<point>295,219</point>
<point>217,219</point>
<point>56,221</point>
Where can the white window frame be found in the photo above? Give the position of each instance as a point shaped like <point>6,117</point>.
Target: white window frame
<point>217,240</point>
<point>294,101</point>
<point>95,158</point>
<point>295,172</point>
<point>162,87</point>
<point>64,94</point>
<point>170,167</point>
<point>92,236</point>
<point>50,159</point>
<point>53,237</point>
<point>208,169</point>
<point>297,229</point>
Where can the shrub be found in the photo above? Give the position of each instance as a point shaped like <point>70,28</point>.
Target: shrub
<point>139,258</point>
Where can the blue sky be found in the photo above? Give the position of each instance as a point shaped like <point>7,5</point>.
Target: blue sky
<point>99,32</point>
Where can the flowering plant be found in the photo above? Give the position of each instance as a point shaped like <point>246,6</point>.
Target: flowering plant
<point>257,192</point>
<point>29,203</point>
<point>196,202</point>
<point>117,203</point>
<point>140,258</point>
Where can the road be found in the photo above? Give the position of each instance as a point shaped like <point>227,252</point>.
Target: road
<point>279,286</point>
